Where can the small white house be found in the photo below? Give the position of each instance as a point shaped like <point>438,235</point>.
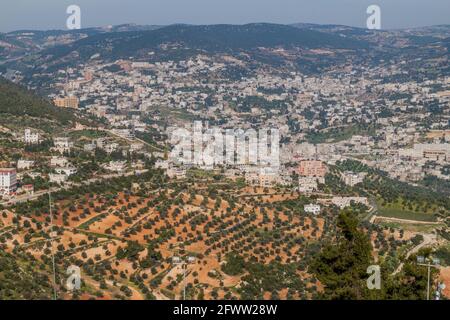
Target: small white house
<point>57,177</point>
<point>24,164</point>
<point>312,208</point>
<point>68,171</point>
<point>58,162</point>
<point>116,166</point>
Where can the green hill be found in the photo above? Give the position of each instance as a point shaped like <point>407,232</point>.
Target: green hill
<point>209,38</point>
<point>17,101</point>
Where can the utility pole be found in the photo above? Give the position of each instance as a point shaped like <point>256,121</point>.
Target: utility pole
<point>184,280</point>
<point>51,242</point>
<point>177,260</point>
<point>428,283</point>
<point>421,262</point>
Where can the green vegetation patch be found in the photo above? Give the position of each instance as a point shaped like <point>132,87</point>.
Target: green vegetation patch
<point>341,134</point>
<point>395,211</point>
<point>17,101</point>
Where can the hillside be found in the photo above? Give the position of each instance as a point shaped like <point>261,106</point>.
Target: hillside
<point>18,43</point>
<point>206,38</point>
<point>223,37</point>
<point>20,279</point>
<point>17,101</point>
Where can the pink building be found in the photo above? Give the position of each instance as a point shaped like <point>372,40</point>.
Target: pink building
<point>312,168</point>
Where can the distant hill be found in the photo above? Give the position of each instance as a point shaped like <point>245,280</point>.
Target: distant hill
<point>18,43</point>
<point>42,34</point>
<point>246,42</point>
<point>16,100</point>
<point>210,38</point>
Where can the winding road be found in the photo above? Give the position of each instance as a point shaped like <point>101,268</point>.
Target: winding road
<point>428,239</point>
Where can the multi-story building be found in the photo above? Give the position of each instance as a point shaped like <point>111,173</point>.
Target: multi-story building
<point>66,102</point>
<point>432,151</point>
<point>8,181</point>
<point>110,147</point>
<point>58,161</point>
<point>68,171</point>
<point>343,202</point>
<point>24,164</point>
<point>62,144</point>
<point>262,177</point>
<point>176,172</point>
<point>116,166</point>
<point>307,184</point>
<point>31,137</point>
<point>57,177</point>
<point>312,168</point>
<point>351,178</point>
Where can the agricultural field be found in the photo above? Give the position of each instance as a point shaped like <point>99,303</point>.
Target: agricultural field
<point>210,243</point>
<point>397,212</point>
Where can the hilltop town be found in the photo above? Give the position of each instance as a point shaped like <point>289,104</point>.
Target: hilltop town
<point>363,135</point>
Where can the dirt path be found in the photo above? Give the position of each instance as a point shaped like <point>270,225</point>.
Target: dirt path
<point>428,239</point>
<point>403,220</point>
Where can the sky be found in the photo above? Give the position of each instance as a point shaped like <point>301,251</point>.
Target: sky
<point>51,14</point>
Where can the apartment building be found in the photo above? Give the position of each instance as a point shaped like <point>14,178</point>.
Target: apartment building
<point>31,137</point>
<point>62,144</point>
<point>343,202</point>
<point>66,102</point>
<point>351,178</point>
<point>8,181</point>
<point>312,168</point>
<point>307,184</point>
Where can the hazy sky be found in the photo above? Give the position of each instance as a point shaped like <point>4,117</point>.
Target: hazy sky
<point>51,14</point>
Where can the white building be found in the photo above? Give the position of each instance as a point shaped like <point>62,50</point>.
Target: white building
<point>31,137</point>
<point>89,147</point>
<point>307,184</point>
<point>124,133</point>
<point>116,166</point>
<point>110,147</point>
<point>24,164</point>
<point>162,164</point>
<point>176,172</point>
<point>263,177</point>
<point>8,181</point>
<point>58,161</point>
<point>351,178</point>
<point>136,147</point>
<point>57,177</point>
<point>343,202</point>
<point>435,151</point>
<point>62,144</point>
<point>68,171</point>
<point>312,208</point>
<point>432,151</point>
